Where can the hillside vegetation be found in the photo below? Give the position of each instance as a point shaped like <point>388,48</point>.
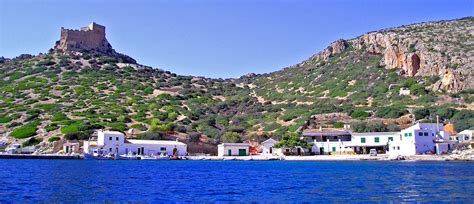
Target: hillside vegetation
<point>68,94</point>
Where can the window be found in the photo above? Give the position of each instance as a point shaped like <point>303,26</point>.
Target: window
<point>110,149</point>
<point>425,134</point>
<point>420,134</point>
<point>398,147</point>
<point>162,148</point>
<point>406,134</point>
<point>377,139</point>
<point>409,134</point>
<point>110,138</point>
<point>390,139</point>
<point>333,149</point>
<point>362,140</point>
<point>116,139</point>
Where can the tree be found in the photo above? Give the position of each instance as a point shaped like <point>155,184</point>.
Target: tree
<point>421,113</point>
<point>193,137</point>
<point>291,140</point>
<point>231,137</point>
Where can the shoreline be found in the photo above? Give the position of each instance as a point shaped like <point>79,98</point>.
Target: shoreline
<point>381,157</point>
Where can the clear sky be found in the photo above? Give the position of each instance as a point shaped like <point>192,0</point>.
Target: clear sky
<point>214,38</point>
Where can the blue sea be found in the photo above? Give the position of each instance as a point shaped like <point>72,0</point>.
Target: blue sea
<point>73,181</point>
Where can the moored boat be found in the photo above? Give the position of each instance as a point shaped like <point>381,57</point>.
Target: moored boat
<point>97,157</point>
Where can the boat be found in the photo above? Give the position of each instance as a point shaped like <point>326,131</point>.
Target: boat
<point>175,158</point>
<point>129,156</point>
<point>162,156</point>
<point>95,156</point>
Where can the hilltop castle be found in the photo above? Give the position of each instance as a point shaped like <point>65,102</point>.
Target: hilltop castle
<point>91,37</point>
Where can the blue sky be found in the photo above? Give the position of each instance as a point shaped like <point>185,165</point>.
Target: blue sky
<point>214,38</point>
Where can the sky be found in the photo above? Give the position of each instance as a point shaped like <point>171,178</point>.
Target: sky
<point>214,38</point>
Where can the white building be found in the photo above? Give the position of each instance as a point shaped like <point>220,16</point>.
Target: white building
<point>404,92</point>
<point>71,147</point>
<point>113,142</point>
<point>268,149</point>
<point>420,139</point>
<point>233,149</point>
<point>362,143</point>
<point>343,141</point>
<point>466,136</point>
<point>327,141</point>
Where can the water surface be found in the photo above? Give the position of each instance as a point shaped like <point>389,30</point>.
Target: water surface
<point>240,181</point>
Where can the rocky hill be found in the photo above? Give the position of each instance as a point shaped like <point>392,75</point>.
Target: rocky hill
<point>83,84</point>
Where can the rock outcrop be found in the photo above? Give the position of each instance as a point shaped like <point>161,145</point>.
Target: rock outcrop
<point>427,50</point>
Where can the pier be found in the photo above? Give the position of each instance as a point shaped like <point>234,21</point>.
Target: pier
<point>42,156</point>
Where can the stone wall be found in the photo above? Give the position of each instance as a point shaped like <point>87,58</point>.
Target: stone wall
<point>91,37</point>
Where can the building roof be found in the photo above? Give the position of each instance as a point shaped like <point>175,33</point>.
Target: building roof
<point>270,140</point>
<point>112,132</point>
<point>70,143</point>
<point>156,142</point>
<point>234,144</point>
<point>326,132</point>
<point>374,133</point>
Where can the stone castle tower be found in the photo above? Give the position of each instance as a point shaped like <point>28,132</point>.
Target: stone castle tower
<point>91,37</point>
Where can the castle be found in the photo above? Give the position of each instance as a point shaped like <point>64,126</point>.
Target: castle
<point>91,37</point>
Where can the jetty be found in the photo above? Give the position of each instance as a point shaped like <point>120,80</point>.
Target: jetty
<point>40,156</point>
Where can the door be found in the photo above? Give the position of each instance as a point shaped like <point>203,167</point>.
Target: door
<point>242,152</point>
<point>298,150</point>
<point>321,150</point>
<point>271,150</point>
<point>229,152</point>
<point>116,150</point>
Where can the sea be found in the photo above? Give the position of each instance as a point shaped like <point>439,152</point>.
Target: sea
<point>78,181</point>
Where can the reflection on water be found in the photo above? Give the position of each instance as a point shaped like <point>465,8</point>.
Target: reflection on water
<point>203,181</point>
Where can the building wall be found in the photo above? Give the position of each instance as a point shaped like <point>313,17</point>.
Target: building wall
<point>223,150</point>
<point>419,139</point>
<point>114,143</point>
<point>267,145</point>
<point>371,139</point>
<point>331,147</point>
<point>91,37</point>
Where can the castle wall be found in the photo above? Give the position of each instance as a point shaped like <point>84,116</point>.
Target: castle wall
<point>91,37</point>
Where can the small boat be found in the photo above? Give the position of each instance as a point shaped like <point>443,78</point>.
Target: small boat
<point>175,158</point>
<point>162,156</point>
<point>129,156</point>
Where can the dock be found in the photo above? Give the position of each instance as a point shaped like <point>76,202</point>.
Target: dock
<point>40,156</point>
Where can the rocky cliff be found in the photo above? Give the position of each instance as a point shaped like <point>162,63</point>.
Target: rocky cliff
<point>444,49</point>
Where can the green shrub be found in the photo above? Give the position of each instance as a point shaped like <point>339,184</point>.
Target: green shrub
<point>139,126</point>
<point>359,114</point>
<point>51,127</point>
<point>231,137</point>
<point>32,142</point>
<point>390,112</point>
<point>151,136</point>
<point>338,125</point>
<point>74,128</point>
<point>54,138</point>
<point>5,119</point>
<point>59,117</point>
<point>25,131</point>
<point>421,113</point>
<point>45,63</point>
